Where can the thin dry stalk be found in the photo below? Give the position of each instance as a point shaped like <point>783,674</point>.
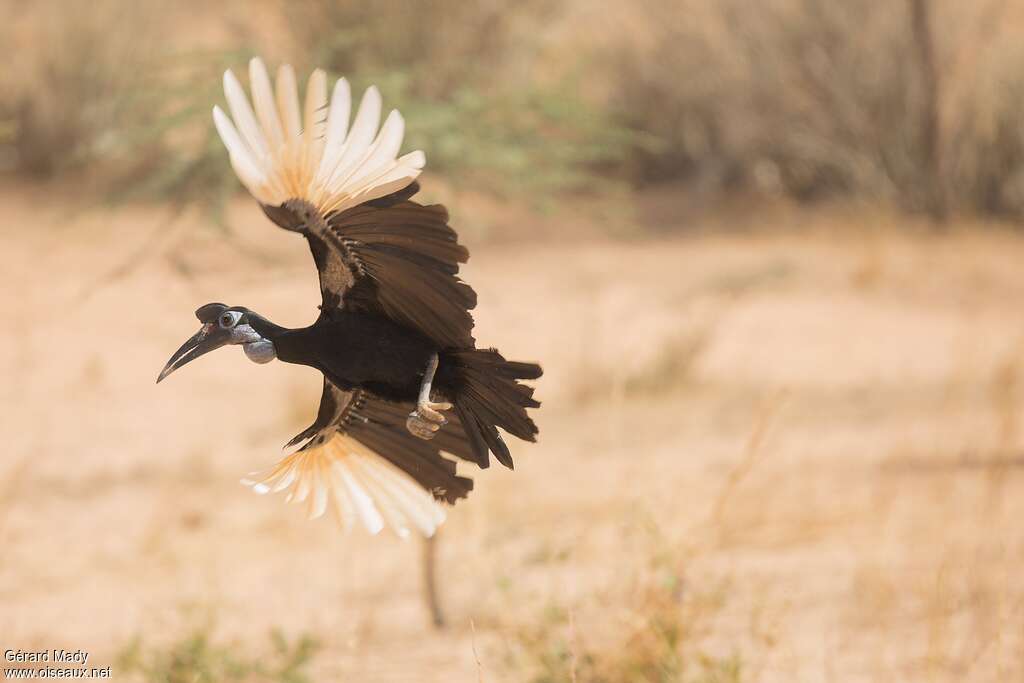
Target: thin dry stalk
<point>476,655</point>
<point>8,491</point>
<point>754,452</point>
<point>573,648</point>
<point>430,594</point>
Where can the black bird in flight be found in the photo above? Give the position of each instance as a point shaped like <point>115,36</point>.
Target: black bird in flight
<point>403,380</point>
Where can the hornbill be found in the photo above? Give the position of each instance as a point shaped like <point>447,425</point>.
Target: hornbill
<point>404,382</point>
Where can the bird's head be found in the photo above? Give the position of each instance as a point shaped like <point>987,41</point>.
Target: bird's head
<point>223,325</point>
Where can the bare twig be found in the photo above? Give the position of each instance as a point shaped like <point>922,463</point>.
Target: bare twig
<point>573,649</point>
<point>9,488</point>
<point>753,452</point>
<point>476,656</point>
<point>430,581</point>
<point>931,130</point>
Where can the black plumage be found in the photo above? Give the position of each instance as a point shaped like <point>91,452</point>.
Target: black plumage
<point>391,296</point>
<point>403,379</point>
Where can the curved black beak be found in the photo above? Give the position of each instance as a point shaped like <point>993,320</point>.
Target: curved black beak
<point>209,337</point>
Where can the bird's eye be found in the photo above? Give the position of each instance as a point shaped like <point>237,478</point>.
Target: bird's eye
<point>227,320</point>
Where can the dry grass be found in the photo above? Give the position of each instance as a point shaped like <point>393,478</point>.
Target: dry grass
<point>668,628</point>
<point>195,659</point>
<point>764,457</point>
<point>784,454</point>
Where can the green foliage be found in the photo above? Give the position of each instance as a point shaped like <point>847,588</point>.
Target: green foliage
<point>806,98</point>
<point>195,659</point>
<point>170,150</point>
<point>464,75</point>
<point>534,142</point>
<point>141,119</point>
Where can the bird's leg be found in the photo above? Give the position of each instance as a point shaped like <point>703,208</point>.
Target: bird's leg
<point>427,418</point>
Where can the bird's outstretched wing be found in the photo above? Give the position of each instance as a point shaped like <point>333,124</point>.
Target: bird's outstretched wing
<point>346,190</point>
<point>358,459</point>
<point>402,261</point>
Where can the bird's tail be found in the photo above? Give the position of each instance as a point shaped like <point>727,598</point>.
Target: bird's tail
<point>490,396</point>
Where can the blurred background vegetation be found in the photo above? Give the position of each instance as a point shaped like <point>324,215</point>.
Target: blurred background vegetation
<point>913,103</point>
<point>873,534</point>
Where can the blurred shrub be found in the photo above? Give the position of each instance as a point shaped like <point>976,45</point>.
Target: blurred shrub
<point>814,98</point>
<point>97,95</point>
<point>67,84</point>
<point>469,78</point>
<point>170,150</point>
<point>122,98</point>
<point>913,102</point>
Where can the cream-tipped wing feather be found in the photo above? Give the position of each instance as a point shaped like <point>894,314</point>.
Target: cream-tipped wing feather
<point>357,483</point>
<point>358,459</point>
<point>282,152</point>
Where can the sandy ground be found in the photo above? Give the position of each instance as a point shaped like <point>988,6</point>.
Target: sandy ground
<point>822,430</point>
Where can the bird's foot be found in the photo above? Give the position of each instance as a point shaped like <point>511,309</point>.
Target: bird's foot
<point>427,419</point>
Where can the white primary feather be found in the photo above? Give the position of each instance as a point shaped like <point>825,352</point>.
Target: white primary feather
<point>281,151</point>
<point>366,511</point>
<point>357,483</point>
<point>245,166</point>
<point>315,122</point>
<point>244,119</point>
<point>263,101</point>
<point>288,101</point>
<point>383,150</point>
<point>359,137</point>
<point>337,126</point>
